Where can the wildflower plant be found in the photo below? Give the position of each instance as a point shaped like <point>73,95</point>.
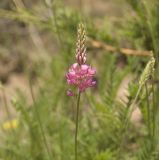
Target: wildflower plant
<point>80,75</point>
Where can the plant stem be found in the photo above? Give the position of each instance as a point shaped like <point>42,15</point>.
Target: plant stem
<point>127,120</point>
<point>148,111</point>
<point>81,5</point>
<point>132,108</point>
<point>151,29</point>
<point>6,105</point>
<point>153,113</point>
<point>7,109</point>
<point>76,131</point>
<point>39,121</point>
<point>52,12</point>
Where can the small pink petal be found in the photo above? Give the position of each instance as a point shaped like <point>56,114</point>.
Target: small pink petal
<point>92,71</point>
<point>84,67</point>
<point>71,73</point>
<point>94,83</point>
<point>70,93</point>
<point>74,66</point>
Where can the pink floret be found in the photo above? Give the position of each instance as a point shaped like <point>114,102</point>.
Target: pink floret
<point>70,93</point>
<point>81,76</point>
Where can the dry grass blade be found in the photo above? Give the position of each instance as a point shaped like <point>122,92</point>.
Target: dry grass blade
<point>125,51</point>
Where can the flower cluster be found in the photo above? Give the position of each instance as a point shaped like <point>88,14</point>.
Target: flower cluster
<point>80,74</point>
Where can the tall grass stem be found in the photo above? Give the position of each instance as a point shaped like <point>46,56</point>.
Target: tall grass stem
<point>148,111</point>
<point>127,120</point>
<point>39,121</point>
<point>153,113</point>
<point>132,107</point>
<point>7,108</point>
<point>52,11</point>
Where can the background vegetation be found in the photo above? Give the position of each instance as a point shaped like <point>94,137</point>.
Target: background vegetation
<point>37,46</point>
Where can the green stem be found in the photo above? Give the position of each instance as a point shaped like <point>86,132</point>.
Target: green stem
<point>6,105</point>
<point>148,111</point>
<point>76,132</point>
<point>153,113</point>
<point>39,121</point>
<point>127,119</point>
<point>7,109</point>
<point>151,28</point>
<point>52,11</point>
<point>132,107</point>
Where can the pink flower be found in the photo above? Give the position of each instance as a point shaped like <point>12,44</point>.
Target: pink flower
<point>70,93</point>
<point>80,76</point>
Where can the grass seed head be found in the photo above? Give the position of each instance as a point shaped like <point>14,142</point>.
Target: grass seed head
<point>148,71</point>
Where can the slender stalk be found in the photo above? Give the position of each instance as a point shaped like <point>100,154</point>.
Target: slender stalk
<point>52,11</point>
<point>153,113</point>
<point>151,28</point>
<point>7,108</point>
<point>126,121</point>
<point>81,5</point>
<point>148,111</point>
<point>39,121</point>
<point>5,104</point>
<point>76,131</point>
<point>132,107</point>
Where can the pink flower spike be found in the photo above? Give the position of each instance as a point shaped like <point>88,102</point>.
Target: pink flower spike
<point>81,76</point>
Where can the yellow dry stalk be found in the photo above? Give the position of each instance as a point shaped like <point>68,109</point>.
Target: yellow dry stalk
<point>148,71</point>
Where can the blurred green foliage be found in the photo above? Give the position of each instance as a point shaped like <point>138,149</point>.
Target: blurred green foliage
<point>102,135</point>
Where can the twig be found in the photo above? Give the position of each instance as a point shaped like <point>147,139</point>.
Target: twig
<point>125,51</point>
